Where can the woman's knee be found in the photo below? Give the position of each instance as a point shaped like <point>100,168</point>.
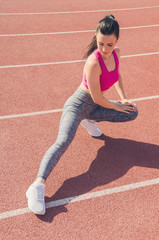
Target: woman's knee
<point>133,115</point>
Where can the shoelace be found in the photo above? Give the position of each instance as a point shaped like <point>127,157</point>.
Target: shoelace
<point>40,194</point>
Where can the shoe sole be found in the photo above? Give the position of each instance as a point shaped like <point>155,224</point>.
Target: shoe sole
<point>98,135</point>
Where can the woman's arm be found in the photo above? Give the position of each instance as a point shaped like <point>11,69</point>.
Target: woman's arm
<point>93,76</point>
<point>120,88</point>
<point>119,84</point>
<point>92,70</point>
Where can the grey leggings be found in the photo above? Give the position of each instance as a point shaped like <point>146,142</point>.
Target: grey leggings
<point>78,107</point>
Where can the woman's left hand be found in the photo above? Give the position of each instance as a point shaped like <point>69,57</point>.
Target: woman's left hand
<point>134,107</point>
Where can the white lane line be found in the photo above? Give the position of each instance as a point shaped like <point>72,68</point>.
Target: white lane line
<point>140,55</point>
<point>30,114</point>
<point>70,32</point>
<point>83,197</point>
<point>60,110</point>
<point>74,61</point>
<point>135,27</point>
<point>50,33</point>
<point>41,64</point>
<point>144,98</point>
<point>86,11</point>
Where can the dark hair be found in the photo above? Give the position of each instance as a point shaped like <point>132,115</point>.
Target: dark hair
<point>106,26</point>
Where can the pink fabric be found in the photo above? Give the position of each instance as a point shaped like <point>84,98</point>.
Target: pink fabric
<point>107,79</point>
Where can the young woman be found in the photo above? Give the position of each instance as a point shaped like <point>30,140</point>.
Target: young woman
<point>87,105</point>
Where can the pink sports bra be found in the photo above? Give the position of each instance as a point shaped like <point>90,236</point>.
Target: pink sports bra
<point>107,79</point>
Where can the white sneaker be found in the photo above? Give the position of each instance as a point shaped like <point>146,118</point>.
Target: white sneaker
<point>35,195</point>
<point>91,128</point>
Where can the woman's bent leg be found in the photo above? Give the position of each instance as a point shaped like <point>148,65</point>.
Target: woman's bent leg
<point>105,114</point>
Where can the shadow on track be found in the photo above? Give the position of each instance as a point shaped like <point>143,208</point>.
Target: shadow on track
<point>113,160</point>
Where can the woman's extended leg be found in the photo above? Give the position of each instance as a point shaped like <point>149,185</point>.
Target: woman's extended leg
<point>68,127</point>
<point>70,120</point>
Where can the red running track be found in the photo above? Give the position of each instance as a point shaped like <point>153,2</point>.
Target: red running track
<point>127,153</point>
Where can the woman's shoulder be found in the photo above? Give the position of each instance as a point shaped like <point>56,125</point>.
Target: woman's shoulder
<point>92,60</point>
<point>92,63</point>
<point>117,51</point>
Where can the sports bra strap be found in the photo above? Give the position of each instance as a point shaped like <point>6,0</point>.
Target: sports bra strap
<point>116,58</point>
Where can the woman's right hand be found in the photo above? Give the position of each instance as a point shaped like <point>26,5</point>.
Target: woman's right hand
<point>125,107</point>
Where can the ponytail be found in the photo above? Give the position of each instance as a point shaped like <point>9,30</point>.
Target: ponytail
<point>91,48</point>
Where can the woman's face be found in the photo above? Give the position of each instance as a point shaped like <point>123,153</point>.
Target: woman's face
<point>105,43</point>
